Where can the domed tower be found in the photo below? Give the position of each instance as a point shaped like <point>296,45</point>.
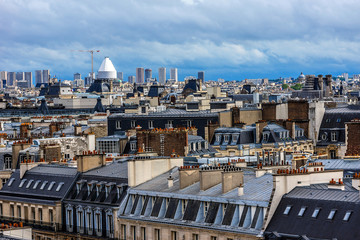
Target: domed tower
<point>105,77</point>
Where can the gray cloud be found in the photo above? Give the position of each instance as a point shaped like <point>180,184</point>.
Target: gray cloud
<point>239,37</point>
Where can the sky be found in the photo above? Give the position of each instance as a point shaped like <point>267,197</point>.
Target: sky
<point>229,39</point>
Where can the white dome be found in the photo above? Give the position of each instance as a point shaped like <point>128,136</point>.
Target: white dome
<point>107,70</point>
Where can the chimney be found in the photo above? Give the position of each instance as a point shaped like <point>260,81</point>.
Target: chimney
<point>77,130</point>
<point>355,182</point>
<point>241,190</point>
<point>25,167</point>
<point>210,177</point>
<point>170,181</point>
<point>231,178</point>
<point>336,185</point>
<point>188,175</point>
<point>259,129</point>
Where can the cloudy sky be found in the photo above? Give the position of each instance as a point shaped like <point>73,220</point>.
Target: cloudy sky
<point>228,39</point>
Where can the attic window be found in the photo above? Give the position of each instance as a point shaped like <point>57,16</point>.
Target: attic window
<point>11,182</point>
<point>36,184</point>
<point>302,211</point>
<point>43,185</point>
<point>287,210</point>
<point>331,214</point>
<point>338,120</point>
<point>59,186</point>
<point>315,213</point>
<point>328,120</point>
<point>22,182</point>
<point>347,216</point>
<point>29,183</point>
<point>51,185</point>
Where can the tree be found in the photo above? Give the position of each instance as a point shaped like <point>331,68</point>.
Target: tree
<point>285,86</point>
<point>297,86</point>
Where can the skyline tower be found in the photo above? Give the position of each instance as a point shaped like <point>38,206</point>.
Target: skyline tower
<point>162,75</point>
<point>46,76</point>
<point>29,79</point>
<point>140,75</point>
<point>201,75</point>
<point>148,74</point>
<point>174,74</point>
<point>38,77</point>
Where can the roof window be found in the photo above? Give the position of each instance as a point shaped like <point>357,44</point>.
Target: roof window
<point>22,182</point>
<point>51,185</point>
<point>29,183</point>
<point>11,182</point>
<point>315,213</point>
<point>36,184</point>
<point>287,210</point>
<point>59,186</point>
<point>43,185</point>
<point>347,216</point>
<point>302,211</point>
<point>331,214</point>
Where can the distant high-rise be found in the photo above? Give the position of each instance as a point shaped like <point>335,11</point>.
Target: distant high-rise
<point>139,75</point>
<point>120,76</point>
<point>77,76</point>
<point>201,75</point>
<point>174,74</point>
<point>29,79</point>
<point>148,74</point>
<point>38,77</point>
<point>46,76</point>
<point>3,75</point>
<point>20,76</point>
<point>162,75</point>
<point>11,79</point>
<point>131,79</point>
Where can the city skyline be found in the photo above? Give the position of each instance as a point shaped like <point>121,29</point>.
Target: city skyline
<point>232,40</point>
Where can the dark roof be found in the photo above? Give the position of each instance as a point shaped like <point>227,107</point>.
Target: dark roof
<point>44,182</point>
<point>320,227</point>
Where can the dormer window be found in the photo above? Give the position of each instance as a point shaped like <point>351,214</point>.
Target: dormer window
<point>218,138</point>
<point>235,138</point>
<point>266,137</point>
<point>333,136</point>
<point>226,138</point>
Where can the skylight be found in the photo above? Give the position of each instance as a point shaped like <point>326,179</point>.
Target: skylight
<point>347,215</point>
<point>36,184</point>
<point>22,182</point>
<point>331,214</point>
<point>302,211</point>
<point>315,213</point>
<point>287,210</point>
<point>11,182</point>
<point>43,185</point>
<point>29,183</point>
<point>59,186</point>
<point>51,185</point>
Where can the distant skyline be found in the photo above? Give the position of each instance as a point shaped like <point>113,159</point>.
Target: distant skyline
<point>232,40</point>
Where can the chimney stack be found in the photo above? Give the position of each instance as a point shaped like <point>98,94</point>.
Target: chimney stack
<point>170,181</point>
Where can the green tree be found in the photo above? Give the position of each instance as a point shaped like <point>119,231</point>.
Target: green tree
<point>297,86</point>
<point>285,86</point>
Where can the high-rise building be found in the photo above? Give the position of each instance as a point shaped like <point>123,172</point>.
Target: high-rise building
<point>162,75</point>
<point>139,75</point>
<point>77,76</point>
<point>11,79</point>
<point>3,75</point>
<point>174,74</point>
<point>29,79</point>
<point>120,76</point>
<point>38,77</point>
<point>201,75</point>
<point>148,74</point>
<point>131,79</point>
<point>20,76</point>
<point>46,76</point>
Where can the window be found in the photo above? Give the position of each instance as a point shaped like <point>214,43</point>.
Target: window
<point>19,211</point>
<point>328,120</point>
<point>8,162</point>
<point>98,222</point>
<point>265,137</point>
<point>315,213</point>
<point>143,233</point>
<point>4,180</point>
<point>69,215</point>
<point>338,120</point>
<point>206,207</point>
<point>188,123</point>
<point>331,214</point>
<point>184,203</point>
<point>12,214</point>
<point>324,136</point>
<point>22,182</point>
<point>29,183</point>
<point>36,184</point>
<point>67,155</point>
<point>213,238</point>
<point>195,236</point>
<point>40,215</point>
<point>1,209</point>
<point>226,138</point>
<point>173,235</point>
<point>59,186</point>
<point>118,125</point>
<point>51,216</point>
<point>347,216</point>
<point>302,211</point>
<point>33,214</point>
<point>123,231</point>
<point>43,185</point>
<point>133,146</point>
<point>157,235</point>
<point>333,136</point>
<point>218,137</point>
<point>133,232</point>
<point>11,181</point>
<point>151,124</point>
<point>51,186</point>
<point>133,123</point>
<point>287,210</point>
<point>169,124</point>
<point>111,224</point>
